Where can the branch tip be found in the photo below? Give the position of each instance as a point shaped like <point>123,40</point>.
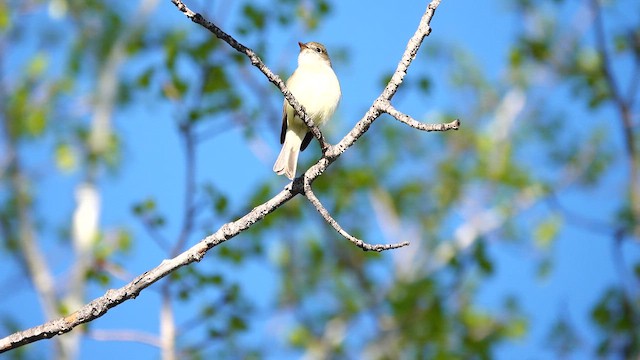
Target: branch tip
<point>100,306</point>
<point>308,192</point>
<point>386,107</point>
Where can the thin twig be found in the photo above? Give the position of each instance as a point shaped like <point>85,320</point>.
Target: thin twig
<point>408,120</point>
<point>634,83</point>
<point>423,30</point>
<point>308,192</point>
<point>623,107</point>
<point>114,297</point>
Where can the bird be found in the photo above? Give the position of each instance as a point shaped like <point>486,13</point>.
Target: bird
<point>315,86</point>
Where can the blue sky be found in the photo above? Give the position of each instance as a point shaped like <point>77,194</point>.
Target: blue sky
<point>376,33</point>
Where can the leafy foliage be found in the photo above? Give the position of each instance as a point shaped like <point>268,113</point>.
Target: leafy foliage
<point>531,136</point>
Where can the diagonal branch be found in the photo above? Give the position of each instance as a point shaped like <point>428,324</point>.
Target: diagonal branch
<point>406,119</point>
<point>423,30</point>
<point>308,192</point>
<point>257,62</point>
<point>114,297</point>
<point>99,306</point>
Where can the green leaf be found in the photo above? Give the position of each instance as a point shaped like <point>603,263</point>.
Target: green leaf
<point>237,323</point>
<point>482,259</point>
<point>255,15</point>
<point>125,240</point>
<point>5,16</point>
<point>36,122</point>
<point>547,231</point>
<point>299,337</point>
<point>65,157</point>
<point>517,329</point>
<point>37,65</point>
<point>424,84</point>
<point>216,80</point>
<point>144,79</point>
<point>221,204</point>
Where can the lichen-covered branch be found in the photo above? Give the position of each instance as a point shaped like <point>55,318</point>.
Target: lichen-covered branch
<point>408,120</point>
<point>308,192</point>
<point>114,297</point>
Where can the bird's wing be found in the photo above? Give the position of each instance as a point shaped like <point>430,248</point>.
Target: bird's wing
<point>306,140</point>
<point>283,132</point>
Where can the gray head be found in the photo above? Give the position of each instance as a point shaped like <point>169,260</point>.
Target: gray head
<point>313,51</point>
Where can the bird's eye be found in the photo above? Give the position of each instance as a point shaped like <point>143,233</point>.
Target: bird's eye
<point>319,50</point>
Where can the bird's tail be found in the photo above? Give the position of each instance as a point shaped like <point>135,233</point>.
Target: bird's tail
<point>287,161</point>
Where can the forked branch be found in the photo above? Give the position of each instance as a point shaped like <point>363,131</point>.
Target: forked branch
<point>114,297</point>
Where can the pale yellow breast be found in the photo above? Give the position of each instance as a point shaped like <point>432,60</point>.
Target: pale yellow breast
<point>316,87</point>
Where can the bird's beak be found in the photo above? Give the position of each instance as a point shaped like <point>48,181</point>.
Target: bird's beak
<point>302,46</point>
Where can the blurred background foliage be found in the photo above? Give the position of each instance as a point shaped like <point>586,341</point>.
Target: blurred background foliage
<point>555,126</point>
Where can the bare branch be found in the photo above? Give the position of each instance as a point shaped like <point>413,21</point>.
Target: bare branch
<point>624,108</point>
<point>406,119</point>
<point>634,83</point>
<point>308,192</point>
<point>257,62</point>
<point>424,29</point>
<point>32,256</point>
<point>114,297</point>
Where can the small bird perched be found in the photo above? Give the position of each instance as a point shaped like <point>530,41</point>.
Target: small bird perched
<point>316,87</point>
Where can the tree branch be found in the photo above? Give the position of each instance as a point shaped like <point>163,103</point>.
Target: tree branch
<point>386,107</point>
<point>114,297</point>
<point>308,192</point>
<point>424,29</point>
<point>32,256</point>
<point>624,108</point>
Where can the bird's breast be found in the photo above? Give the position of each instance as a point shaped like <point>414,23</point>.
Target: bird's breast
<point>317,89</point>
